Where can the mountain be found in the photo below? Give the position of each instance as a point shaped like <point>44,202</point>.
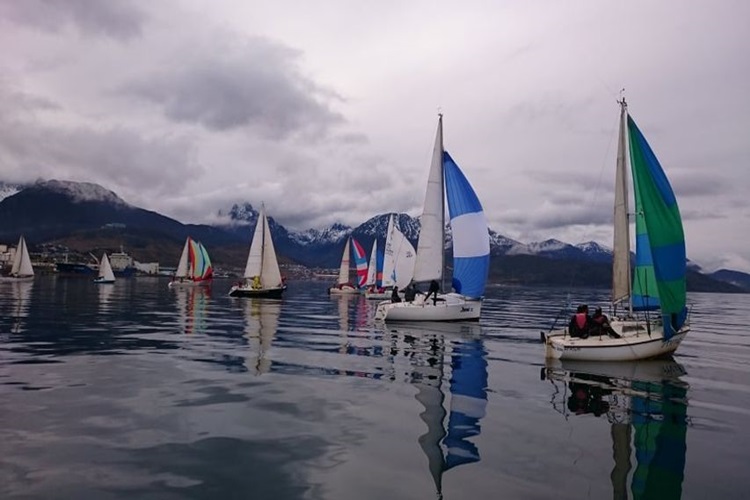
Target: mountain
<point>86,217</point>
<point>8,189</point>
<point>736,278</point>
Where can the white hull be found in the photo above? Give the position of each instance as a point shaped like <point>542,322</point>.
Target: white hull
<point>188,283</point>
<point>382,295</point>
<point>449,307</point>
<point>15,279</point>
<point>632,346</point>
<point>344,290</point>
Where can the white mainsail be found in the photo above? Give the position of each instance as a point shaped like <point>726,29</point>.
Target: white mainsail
<point>182,267</point>
<point>270,275</point>
<point>621,246</point>
<point>254,264</point>
<point>398,264</point>
<point>344,268</point>
<point>21,261</point>
<point>105,269</point>
<point>389,255</point>
<point>430,248</point>
<point>372,270</point>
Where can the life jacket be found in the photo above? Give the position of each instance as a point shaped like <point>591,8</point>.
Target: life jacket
<point>581,320</point>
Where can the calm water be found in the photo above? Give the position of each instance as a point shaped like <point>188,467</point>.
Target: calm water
<point>136,391</point>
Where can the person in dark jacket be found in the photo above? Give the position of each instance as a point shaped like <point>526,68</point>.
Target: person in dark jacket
<point>394,295</point>
<point>580,323</point>
<point>600,324</point>
<point>410,292</point>
<point>433,290</point>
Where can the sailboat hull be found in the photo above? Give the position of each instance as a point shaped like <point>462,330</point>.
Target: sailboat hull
<point>102,281</point>
<point>343,290</point>
<point>248,291</point>
<point>449,307</point>
<point>630,347</point>
<point>15,279</point>
<point>188,283</point>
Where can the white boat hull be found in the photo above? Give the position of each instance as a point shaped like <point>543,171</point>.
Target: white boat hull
<point>343,290</point>
<point>449,307</point>
<point>631,346</point>
<point>188,283</point>
<point>15,279</point>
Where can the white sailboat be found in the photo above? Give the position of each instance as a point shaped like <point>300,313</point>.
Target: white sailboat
<point>344,285</point>
<point>398,263</point>
<point>21,270</point>
<point>650,313</point>
<point>194,267</point>
<point>471,246</point>
<point>262,274</point>
<point>106,276</point>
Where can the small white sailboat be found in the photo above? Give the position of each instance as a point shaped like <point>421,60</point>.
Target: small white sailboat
<point>650,313</point>
<point>21,270</point>
<point>398,263</point>
<point>194,267</point>
<point>471,246</point>
<point>262,274</point>
<point>106,275</point>
<point>344,285</point>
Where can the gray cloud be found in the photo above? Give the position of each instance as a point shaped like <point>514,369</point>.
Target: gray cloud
<point>253,83</point>
<point>119,19</point>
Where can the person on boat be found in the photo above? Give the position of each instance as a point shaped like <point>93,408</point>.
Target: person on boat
<point>600,324</point>
<point>256,282</point>
<point>410,293</point>
<point>433,290</point>
<point>580,323</point>
<point>394,295</point>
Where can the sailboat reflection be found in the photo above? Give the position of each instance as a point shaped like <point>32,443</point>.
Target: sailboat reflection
<point>447,444</point>
<point>261,323</point>
<point>17,308</point>
<point>192,304</point>
<point>105,297</point>
<point>646,404</point>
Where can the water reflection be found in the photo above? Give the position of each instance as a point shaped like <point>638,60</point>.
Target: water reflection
<point>192,305</point>
<point>105,297</point>
<point>646,405</point>
<point>261,323</point>
<point>15,304</point>
<point>459,348</point>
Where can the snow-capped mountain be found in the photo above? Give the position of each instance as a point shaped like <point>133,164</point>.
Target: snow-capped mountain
<point>80,192</point>
<point>310,237</point>
<point>7,189</point>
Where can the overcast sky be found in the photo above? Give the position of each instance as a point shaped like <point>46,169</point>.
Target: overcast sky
<point>326,110</point>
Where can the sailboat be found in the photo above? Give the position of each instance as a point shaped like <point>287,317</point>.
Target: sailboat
<point>471,246</point>
<point>398,263</point>
<point>21,270</point>
<point>262,274</point>
<point>106,275</point>
<point>344,286</point>
<point>646,405</point>
<point>194,267</point>
<point>651,317</point>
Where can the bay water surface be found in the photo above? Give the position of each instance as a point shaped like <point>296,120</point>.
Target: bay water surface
<point>133,390</point>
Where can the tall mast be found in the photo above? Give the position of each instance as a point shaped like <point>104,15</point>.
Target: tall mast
<point>621,273</point>
<point>442,210</point>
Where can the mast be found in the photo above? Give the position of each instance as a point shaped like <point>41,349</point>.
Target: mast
<point>621,274</point>
<point>442,209</point>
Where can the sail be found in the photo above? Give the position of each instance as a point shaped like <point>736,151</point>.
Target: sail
<point>372,269</point>
<point>270,276</point>
<point>430,248</point>
<point>255,257</point>
<point>659,235</point>
<point>398,266</point>
<point>182,267</point>
<point>471,238</point>
<point>105,269</point>
<point>208,269</point>
<point>360,262</point>
<point>389,257</point>
<point>621,246</point>
<point>196,261</point>
<point>21,261</point>
<point>379,273</point>
<point>344,268</point>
